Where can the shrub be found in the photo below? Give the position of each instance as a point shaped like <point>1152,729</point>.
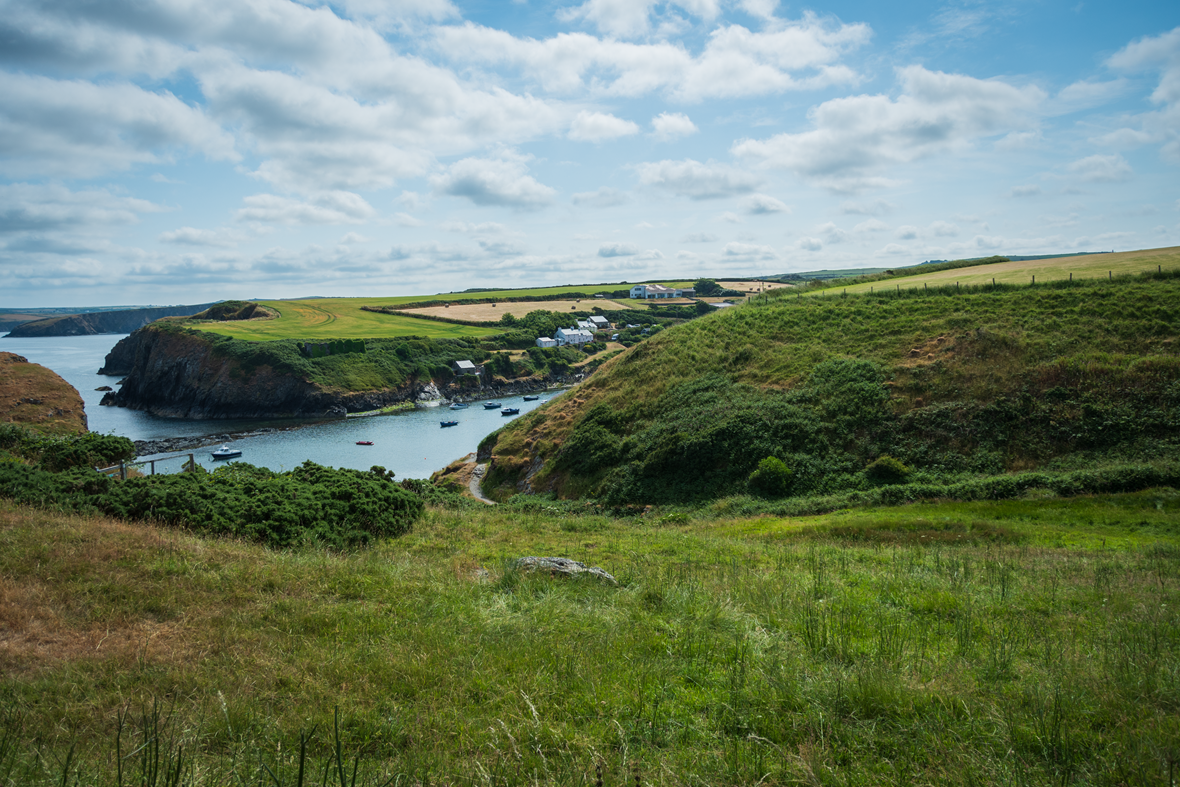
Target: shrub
<point>772,478</point>
<point>887,470</point>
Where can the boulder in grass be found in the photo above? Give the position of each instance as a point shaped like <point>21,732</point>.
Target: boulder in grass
<point>563,566</point>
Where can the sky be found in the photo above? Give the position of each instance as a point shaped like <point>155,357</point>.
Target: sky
<point>176,151</point>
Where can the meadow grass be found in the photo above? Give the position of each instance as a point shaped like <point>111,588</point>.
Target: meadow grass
<point>342,318</point>
<point>1087,266</point>
<point>1023,642</point>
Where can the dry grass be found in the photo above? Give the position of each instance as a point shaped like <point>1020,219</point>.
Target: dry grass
<point>38,398</point>
<point>752,287</point>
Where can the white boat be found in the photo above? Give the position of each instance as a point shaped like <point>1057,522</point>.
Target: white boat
<point>225,452</point>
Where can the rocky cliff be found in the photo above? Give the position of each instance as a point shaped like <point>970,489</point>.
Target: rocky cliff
<point>179,374</point>
<point>122,321</point>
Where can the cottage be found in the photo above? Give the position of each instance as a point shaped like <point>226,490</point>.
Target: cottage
<point>545,341</point>
<point>464,367</point>
<point>574,336</point>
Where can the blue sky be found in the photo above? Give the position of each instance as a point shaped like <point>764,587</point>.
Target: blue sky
<point>175,151</point>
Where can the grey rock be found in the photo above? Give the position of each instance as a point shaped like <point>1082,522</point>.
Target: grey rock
<point>563,566</point>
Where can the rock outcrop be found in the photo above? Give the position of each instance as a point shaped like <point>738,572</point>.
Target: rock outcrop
<point>91,323</point>
<point>177,374</point>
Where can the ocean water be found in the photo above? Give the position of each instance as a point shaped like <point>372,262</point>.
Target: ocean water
<point>411,443</point>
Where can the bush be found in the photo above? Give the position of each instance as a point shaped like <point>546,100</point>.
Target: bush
<point>772,478</point>
<point>887,470</point>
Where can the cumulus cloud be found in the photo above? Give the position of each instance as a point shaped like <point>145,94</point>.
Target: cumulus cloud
<point>502,182</point>
<point>735,61</point>
<point>668,126</point>
<point>832,234</point>
<point>333,207</point>
<point>26,207</point>
<point>406,220</point>
<point>749,251</point>
<point>943,229</point>
<point>618,250</point>
<point>191,236</point>
<point>692,179</point>
<point>762,204</point>
<point>809,244</point>
<point>875,207</point>
<point>906,232</point>
<point>1101,169</point>
<point>1028,190</point>
<point>1159,54</point>
<point>600,127</point>
<point>871,225</point>
<point>853,138</point>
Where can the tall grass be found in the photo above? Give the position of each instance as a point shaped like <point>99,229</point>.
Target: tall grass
<point>733,651</point>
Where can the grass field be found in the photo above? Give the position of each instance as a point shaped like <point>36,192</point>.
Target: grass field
<point>1088,266</point>
<point>342,318</point>
<point>35,396</point>
<point>1032,642</point>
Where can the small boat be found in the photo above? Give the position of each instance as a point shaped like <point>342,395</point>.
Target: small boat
<point>491,405</point>
<point>458,405</point>
<point>225,452</point>
<point>510,411</point>
<point>364,442</point>
<point>448,423</point>
<point>531,398</point>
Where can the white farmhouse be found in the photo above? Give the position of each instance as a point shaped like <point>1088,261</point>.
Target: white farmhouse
<point>655,291</point>
<point>545,341</point>
<point>575,336</point>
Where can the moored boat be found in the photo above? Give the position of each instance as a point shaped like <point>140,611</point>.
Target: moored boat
<point>364,442</point>
<point>510,411</point>
<point>225,452</point>
<point>491,405</point>
<point>448,423</point>
<point>531,398</point>
<point>458,405</point>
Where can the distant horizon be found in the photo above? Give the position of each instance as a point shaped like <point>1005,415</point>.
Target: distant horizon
<point>284,146</point>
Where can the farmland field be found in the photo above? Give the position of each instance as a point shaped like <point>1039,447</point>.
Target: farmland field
<point>487,312</point>
<point>1088,266</point>
<point>342,318</point>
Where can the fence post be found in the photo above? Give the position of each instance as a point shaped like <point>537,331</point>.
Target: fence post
<point>192,464</point>
<point>122,469</point>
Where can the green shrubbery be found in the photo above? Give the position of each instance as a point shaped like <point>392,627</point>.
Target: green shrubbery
<point>772,478</point>
<point>311,504</point>
<point>61,453</point>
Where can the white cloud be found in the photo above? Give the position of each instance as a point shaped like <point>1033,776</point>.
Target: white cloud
<point>467,228</point>
<point>854,137</point>
<point>871,225</point>
<point>1162,54</point>
<point>734,62</point>
<point>628,18</point>
<point>333,207</point>
<point>26,207</point>
<point>66,128</point>
<point>749,251</point>
<point>699,237</point>
<point>406,220</point>
<point>692,179</point>
<point>191,236</point>
<point>731,218</point>
<point>1028,190</point>
<point>1102,169</point>
<point>618,250</point>
<point>600,127</point>
<point>943,229</point>
<point>604,197</point>
<point>876,207</point>
<point>809,244</point>
<point>352,238</point>
<point>761,204</point>
<point>832,234</point>
<point>668,126</point>
<point>494,182</point>
<point>906,232</point>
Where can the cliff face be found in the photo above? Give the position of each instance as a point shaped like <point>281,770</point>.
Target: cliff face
<point>176,374</point>
<point>123,321</point>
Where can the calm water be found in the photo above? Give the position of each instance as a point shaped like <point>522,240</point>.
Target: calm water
<point>412,443</point>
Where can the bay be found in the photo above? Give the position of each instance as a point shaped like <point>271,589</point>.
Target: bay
<point>411,443</point>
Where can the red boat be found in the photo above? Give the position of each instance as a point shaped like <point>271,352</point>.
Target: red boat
<point>364,442</point>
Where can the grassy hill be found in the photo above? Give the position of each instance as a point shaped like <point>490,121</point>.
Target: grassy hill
<point>37,398</point>
<point>1022,271</point>
<point>956,386</point>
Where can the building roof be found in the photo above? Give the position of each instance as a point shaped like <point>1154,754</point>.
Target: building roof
<point>657,288</point>
<point>464,365</point>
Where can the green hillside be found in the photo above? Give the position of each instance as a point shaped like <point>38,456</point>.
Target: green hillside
<point>957,387</point>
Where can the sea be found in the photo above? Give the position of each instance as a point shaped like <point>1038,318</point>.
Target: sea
<point>411,443</point>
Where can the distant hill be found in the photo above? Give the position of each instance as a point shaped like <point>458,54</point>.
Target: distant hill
<point>90,323</point>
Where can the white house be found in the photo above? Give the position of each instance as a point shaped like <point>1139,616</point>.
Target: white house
<point>655,291</point>
<point>585,325</point>
<point>575,336</point>
<point>599,322</point>
<point>545,341</point>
